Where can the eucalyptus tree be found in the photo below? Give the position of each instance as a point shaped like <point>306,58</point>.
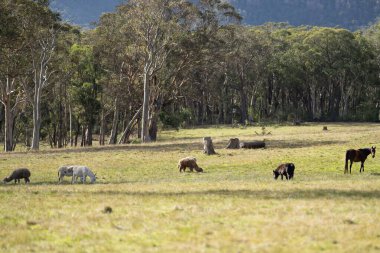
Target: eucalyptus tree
<point>62,121</point>
<point>121,64</point>
<point>372,35</point>
<point>12,66</point>
<point>208,57</point>
<point>85,90</point>
<point>153,23</point>
<point>41,26</point>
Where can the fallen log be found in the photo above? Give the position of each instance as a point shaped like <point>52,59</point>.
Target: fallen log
<point>252,144</point>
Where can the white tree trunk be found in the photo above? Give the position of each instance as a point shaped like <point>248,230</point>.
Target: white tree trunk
<point>115,121</point>
<point>71,126</point>
<point>145,112</point>
<point>8,128</point>
<point>36,119</point>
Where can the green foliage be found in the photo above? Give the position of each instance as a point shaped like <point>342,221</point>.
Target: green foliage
<point>193,56</point>
<point>175,120</point>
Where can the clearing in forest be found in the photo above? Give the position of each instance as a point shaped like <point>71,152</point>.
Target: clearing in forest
<point>235,206</point>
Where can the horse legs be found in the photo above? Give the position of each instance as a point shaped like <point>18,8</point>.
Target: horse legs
<point>350,166</point>
<point>282,177</point>
<point>362,167</point>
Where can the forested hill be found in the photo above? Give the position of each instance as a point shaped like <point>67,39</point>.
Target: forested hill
<point>351,14</point>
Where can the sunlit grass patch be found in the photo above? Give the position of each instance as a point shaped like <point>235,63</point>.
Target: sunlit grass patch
<point>235,206</point>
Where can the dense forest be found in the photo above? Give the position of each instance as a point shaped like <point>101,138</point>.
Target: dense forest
<point>173,63</point>
<point>350,14</point>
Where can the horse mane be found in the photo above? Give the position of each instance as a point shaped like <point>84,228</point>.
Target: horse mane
<point>366,151</point>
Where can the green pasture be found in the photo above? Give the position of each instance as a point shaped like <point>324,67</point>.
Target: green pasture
<point>235,206</point>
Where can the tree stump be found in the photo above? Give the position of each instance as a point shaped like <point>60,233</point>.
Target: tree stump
<point>234,143</point>
<point>324,128</point>
<point>252,144</point>
<point>208,147</point>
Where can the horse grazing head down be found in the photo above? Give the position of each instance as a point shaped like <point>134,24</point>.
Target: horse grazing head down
<point>373,151</point>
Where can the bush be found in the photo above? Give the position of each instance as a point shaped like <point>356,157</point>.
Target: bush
<point>170,120</point>
<point>291,117</point>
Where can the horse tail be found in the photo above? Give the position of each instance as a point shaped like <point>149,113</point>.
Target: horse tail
<point>346,163</point>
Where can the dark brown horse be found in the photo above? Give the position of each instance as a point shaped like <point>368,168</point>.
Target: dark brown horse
<point>358,155</point>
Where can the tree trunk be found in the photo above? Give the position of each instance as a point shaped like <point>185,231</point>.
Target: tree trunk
<point>83,137</point>
<point>102,134</point>
<point>252,145</point>
<point>153,128</point>
<point>36,119</point>
<point>145,112</point>
<point>208,147</point>
<point>8,128</point>
<point>127,130</point>
<point>243,104</point>
<point>115,124</point>
<point>89,135</point>
<point>139,128</point>
<point>234,143</point>
<point>77,135</point>
<point>71,127</point>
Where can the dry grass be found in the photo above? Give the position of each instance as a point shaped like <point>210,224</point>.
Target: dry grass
<point>235,206</point>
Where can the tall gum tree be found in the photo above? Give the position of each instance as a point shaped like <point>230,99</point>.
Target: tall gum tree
<point>42,26</point>
<point>12,63</point>
<point>154,23</point>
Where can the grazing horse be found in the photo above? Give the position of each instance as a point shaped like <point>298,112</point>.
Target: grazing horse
<point>82,172</point>
<point>285,169</point>
<point>358,155</point>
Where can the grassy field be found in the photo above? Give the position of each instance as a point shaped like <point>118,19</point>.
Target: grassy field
<point>235,206</point>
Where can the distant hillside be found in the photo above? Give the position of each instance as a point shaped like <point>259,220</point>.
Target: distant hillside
<point>351,14</point>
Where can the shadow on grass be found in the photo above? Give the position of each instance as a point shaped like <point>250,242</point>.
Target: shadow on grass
<point>301,143</point>
<point>66,183</point>
<point>251,194</point>
<point>187,145</point>
<point>157,147</point>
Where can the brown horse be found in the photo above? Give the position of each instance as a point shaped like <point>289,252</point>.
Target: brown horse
<point>358,155</point>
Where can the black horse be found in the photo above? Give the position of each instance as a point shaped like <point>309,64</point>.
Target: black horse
<point>358,155</point>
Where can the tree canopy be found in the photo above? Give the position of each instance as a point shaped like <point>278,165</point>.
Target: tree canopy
<point>151,65</point>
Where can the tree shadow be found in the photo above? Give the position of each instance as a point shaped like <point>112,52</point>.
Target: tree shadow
<point>301,143</point>
<point>251,194</point>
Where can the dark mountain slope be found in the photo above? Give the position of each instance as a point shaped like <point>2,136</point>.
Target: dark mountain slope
<point>351,14</point>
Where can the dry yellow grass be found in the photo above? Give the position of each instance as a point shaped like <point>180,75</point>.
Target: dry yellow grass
<point>235,206</point>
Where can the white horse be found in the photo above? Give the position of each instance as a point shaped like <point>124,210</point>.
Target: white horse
<point>64,171</point>
<point>82,172</point>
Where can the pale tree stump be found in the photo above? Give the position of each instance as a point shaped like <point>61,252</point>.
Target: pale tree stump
<point>252,144</point>
<point>234,143</point>
<point>208,147</point>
